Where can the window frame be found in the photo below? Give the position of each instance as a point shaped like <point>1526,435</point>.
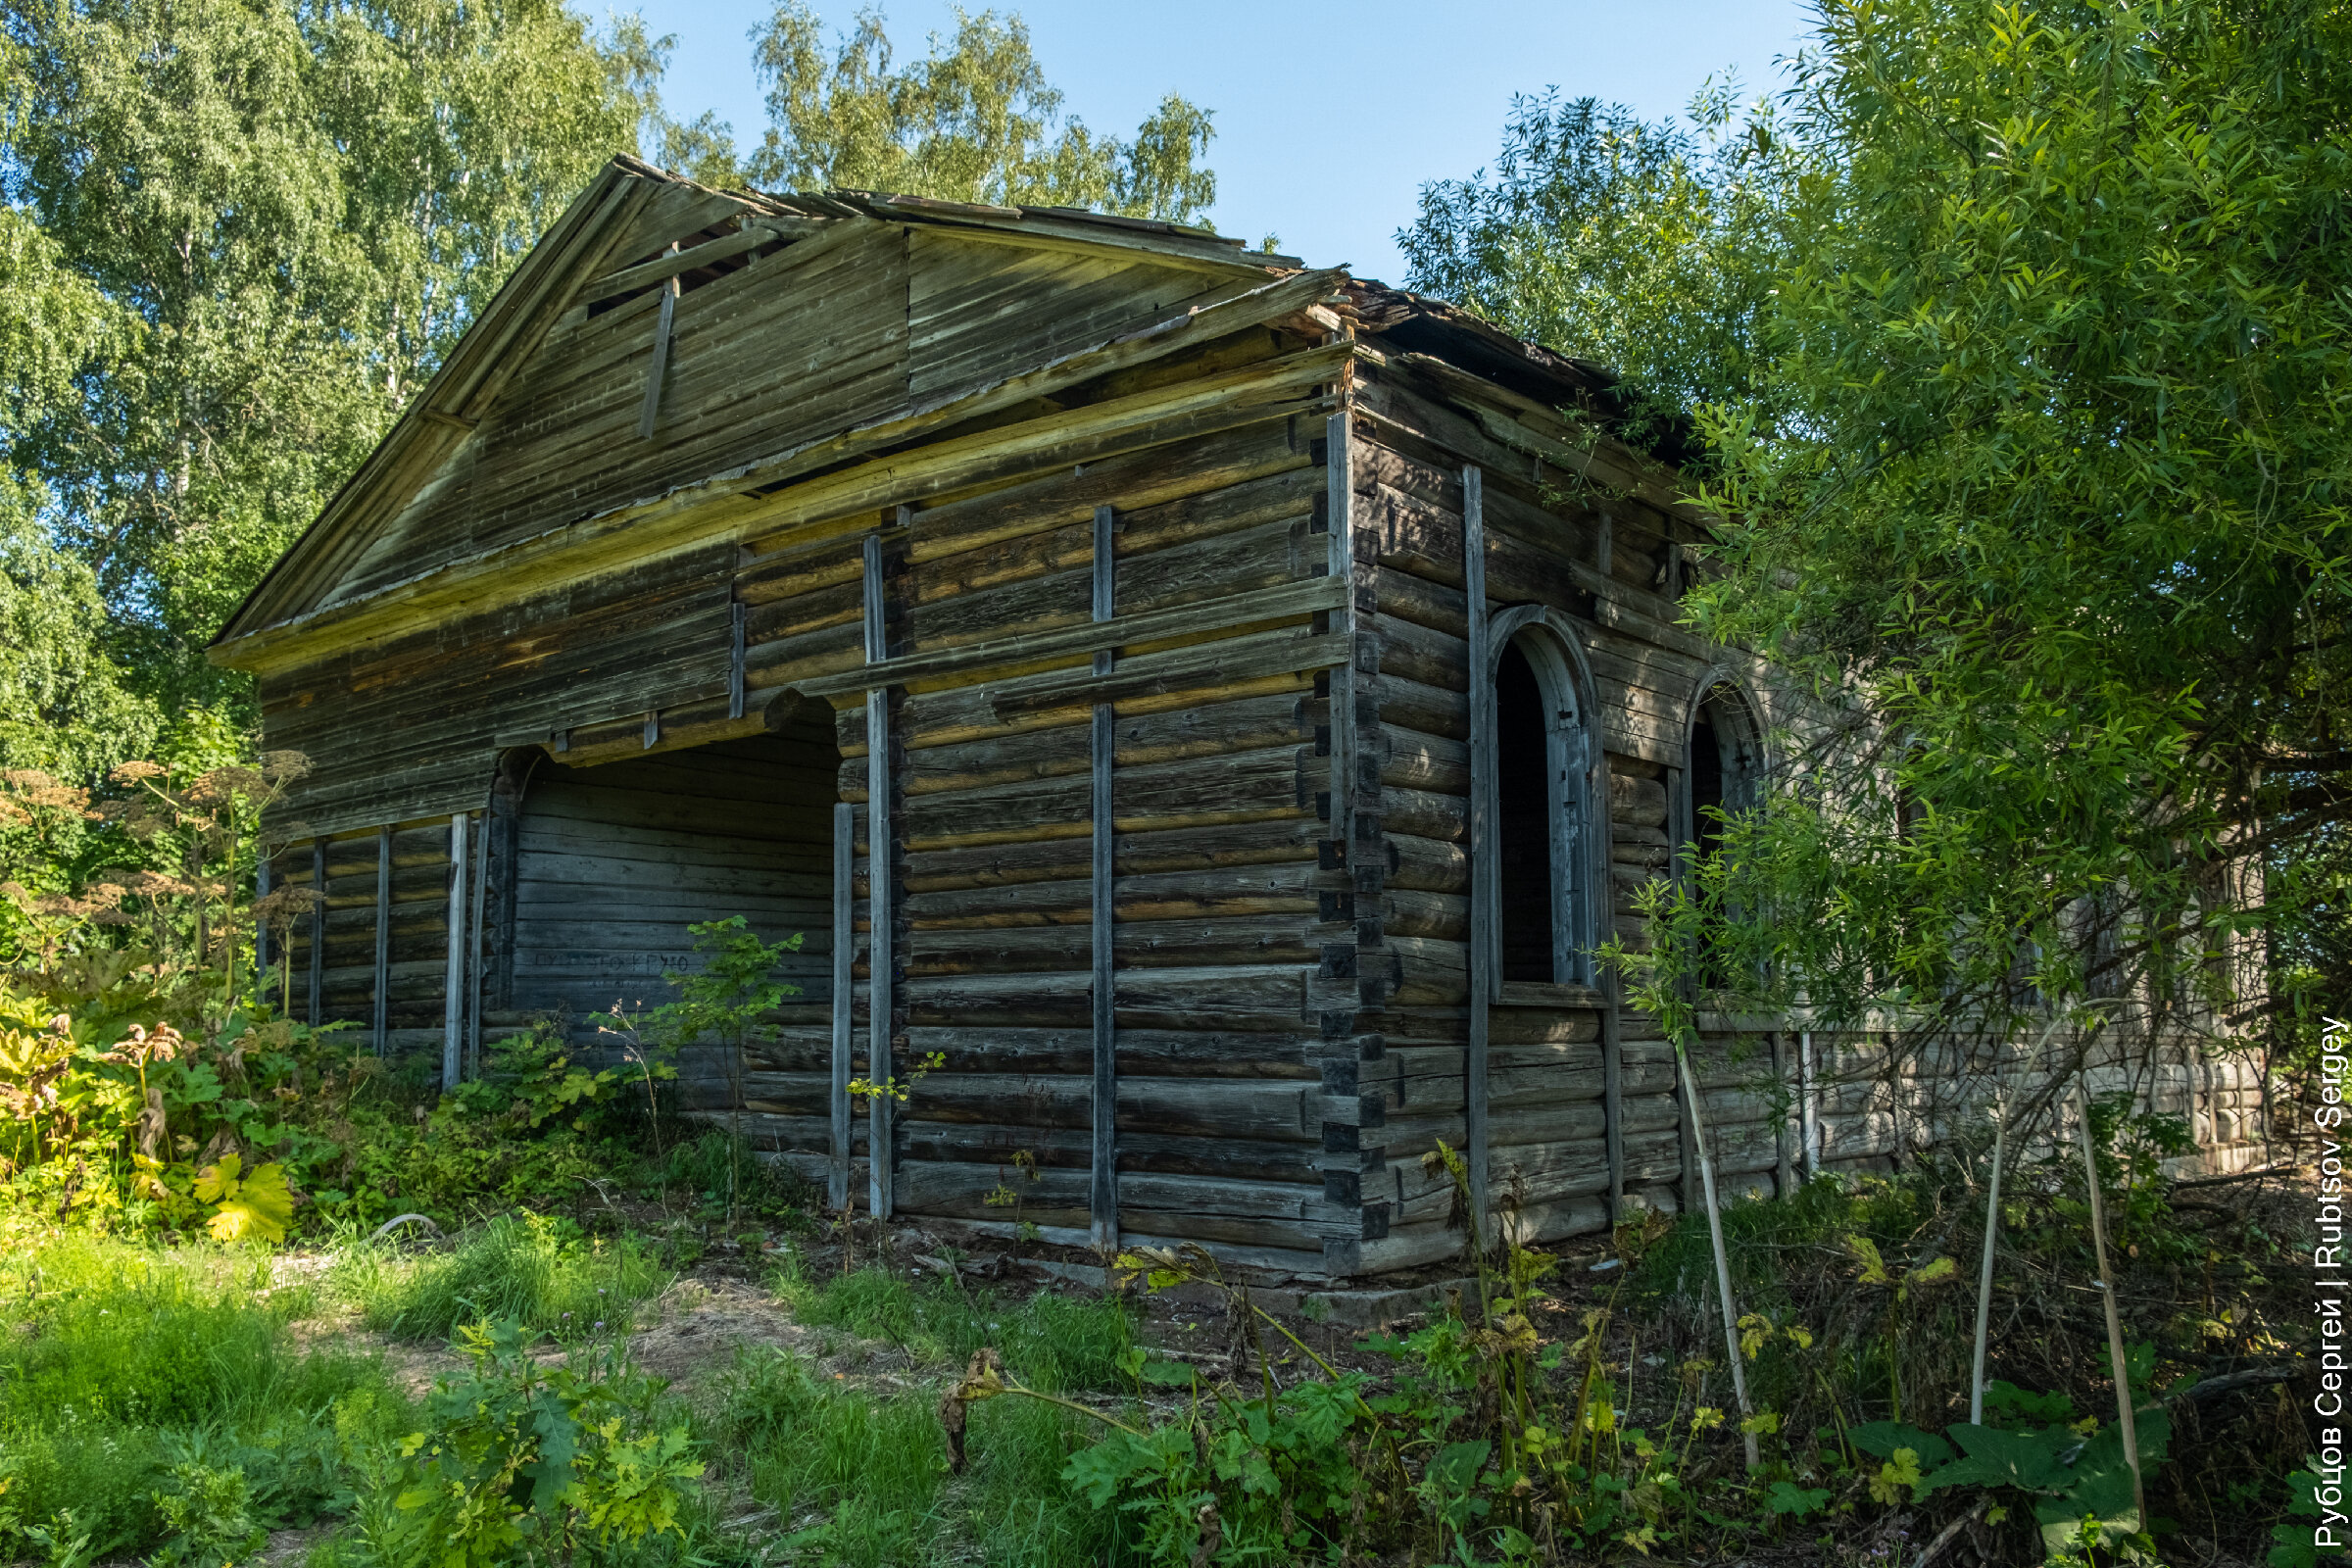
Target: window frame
<point>1573,762</point>
<point>1744,760</point>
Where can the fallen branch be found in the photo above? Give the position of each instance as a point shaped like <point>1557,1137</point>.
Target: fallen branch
<point>2228,1382</point>
<point>1944,1537</point>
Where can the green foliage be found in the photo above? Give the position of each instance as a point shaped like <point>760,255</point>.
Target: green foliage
<point>973,121</point>
<point>521,1460</point>
<point>2070,1475</point>
<point>207,1512</point>
<point>1653,249</point>
<point>2047,474</point>
<point>239,239</point>
<point>731,988</point>
<point>528,1270</point>
<point>2297,1540</point>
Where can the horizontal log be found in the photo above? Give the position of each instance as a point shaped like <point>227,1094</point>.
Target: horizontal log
<point>959,665</point>
<point>1240,996</point>
<point>1138,741</point>
<point>1283,888</point>
<point>1194,792</point>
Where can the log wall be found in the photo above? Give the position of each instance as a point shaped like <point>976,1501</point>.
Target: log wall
<point>1216,658</point>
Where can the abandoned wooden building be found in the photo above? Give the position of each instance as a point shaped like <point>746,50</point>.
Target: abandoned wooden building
<point>1217,706</point>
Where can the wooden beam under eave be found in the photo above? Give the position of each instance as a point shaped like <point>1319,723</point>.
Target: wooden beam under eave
<point>575,552</point>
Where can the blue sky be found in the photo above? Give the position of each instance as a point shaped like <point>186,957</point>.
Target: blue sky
<point>1329,116</point>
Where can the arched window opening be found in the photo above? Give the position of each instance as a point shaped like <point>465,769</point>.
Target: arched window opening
<point>1523,809</point>
<point>1708,800</point>
<point>1722,775</point>
<point>1722,771</point>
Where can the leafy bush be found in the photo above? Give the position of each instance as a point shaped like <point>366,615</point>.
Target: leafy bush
<point>525,1461</point>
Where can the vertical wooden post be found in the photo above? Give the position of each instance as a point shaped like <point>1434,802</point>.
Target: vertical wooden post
<point>452,994</point>
<point>1484,945</point>
<point>845,938</point>
<point>382,997</point>
<point>317,931</point>
<point>735,659</point>
<point>1784,1172</point>
<point>661,362</point>
<point>1808,1107</point>
<point>880,958</point>
<point>1341,504</point>
<point>261,927</point>
<point>1103,1199</point>
<point>475,962</point>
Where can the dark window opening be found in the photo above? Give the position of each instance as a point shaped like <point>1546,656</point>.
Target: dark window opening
<point>1706,787</point>
<point>1522,776</point>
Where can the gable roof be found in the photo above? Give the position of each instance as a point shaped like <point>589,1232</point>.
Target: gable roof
<point>607,246</point>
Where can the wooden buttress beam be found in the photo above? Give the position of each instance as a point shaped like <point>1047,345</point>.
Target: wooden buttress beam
<point>317,932</point>
<point>453,992</point>
<point>475,960</point>
<point>879,946</point>
<point>261,927</point>
<point>1103,1199</point>
<point>1484,945</point>
<point>845,958</point>
<point>381,996</point>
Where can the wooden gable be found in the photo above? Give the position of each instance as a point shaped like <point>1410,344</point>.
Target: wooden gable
<point>806,343</point>
<point>808,330</point>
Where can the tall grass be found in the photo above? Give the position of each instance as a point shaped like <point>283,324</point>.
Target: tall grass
<point>540,1272</point>
<point>1056,1343</point>
<point>862,1479</point>
<point>125,1362</point>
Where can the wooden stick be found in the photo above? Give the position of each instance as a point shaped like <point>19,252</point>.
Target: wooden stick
<point>261,927</point>
<point>1722,1257</point>
<point>317,930</point>
<point>2124,1414</point>
<point>879,946</point>
<point>1103,1189</point>
<point>1993,1224</point>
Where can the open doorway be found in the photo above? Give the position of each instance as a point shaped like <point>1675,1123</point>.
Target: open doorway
<point>612,863</point>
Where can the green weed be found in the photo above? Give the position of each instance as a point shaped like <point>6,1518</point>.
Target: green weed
<point>154,1400</point>
<point>1058,1344</point>
<point>534,1271</point>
